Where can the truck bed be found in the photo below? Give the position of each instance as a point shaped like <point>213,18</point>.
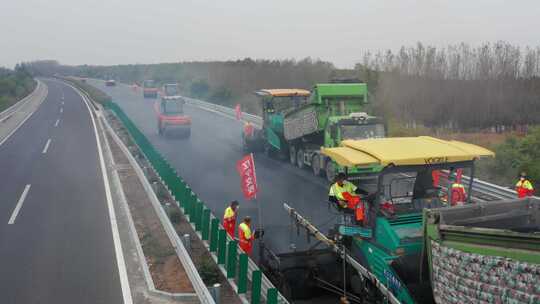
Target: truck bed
<point>485,253</point>
<point>516,215</point>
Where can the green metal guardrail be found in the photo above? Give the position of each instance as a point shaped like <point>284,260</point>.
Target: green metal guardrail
<point>201,216</point>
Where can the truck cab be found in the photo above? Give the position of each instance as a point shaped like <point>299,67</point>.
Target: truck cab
<point>170,91</point>
<point>149,89</point>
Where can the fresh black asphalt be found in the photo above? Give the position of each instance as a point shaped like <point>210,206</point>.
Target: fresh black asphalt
<point>207,162</point>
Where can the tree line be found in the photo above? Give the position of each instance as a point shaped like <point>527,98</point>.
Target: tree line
<point>14,85</point>
<point>222,82</point>
<point>459,87</point>
<point>493,86</point>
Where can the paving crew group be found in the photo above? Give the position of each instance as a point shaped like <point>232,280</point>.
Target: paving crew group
<point>245,235</point>
<point>343,194</point>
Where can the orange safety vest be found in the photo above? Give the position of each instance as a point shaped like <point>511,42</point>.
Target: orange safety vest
<point>355,203</point>
<point>248,129</point>
<point>245,237</point>
<point>229,221</point>
<point>458,194</point>
<point>524,188</point>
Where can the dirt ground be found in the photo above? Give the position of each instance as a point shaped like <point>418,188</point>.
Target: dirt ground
<point>199,253</point>
<point>167,272</point>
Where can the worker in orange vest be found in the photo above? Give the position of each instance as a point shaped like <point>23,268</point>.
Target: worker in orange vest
<point>248,129</point>
<point>343,193</point>
<point>459,196</point>
<point>229,218</point>
<point>524,187</point>
<point>245,236</point>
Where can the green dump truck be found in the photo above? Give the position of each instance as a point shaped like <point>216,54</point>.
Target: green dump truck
<point>297,123</point>
<point>485,252</point>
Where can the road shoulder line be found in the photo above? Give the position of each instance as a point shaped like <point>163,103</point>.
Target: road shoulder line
<point>120,261</point>
<point>19,205</point>
<point>46,146</point>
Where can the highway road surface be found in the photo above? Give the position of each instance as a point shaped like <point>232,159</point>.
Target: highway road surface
<point>56,244</point>
<point>207,162</point>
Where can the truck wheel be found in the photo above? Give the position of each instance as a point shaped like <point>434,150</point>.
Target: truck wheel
<point>316,165</point>
<point>292,155</point>
<point>300,159</point>
<point>330,171</point>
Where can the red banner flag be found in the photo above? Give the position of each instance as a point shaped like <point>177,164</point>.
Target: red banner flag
<point>238,111</point>
<point>248,178</point>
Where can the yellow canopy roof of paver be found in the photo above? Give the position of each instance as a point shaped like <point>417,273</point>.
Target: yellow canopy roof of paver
<point>284,92</point>
<point>402,151</point>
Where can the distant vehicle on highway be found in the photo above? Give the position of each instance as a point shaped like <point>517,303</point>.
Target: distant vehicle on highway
<point>149,89</point>
<point>82,79</point>
<point>110,83</point>
<point>171,118</point>
<point>170,91</point>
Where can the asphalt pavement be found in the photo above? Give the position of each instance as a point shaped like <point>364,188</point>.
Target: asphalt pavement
<point>207,162</point>
<point>56,244</point>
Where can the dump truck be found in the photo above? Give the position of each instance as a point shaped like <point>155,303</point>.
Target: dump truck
<point>297,123</point>
<point>484,253</point>
<point>383,253</point>
<point>149,89</point>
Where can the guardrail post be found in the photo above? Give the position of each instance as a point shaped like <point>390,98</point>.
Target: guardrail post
<point>198,215</point>
<point>205,224</point>
<point>184,193</point>
<point>256,280</point>
<point>222,245</point>
<point>231,259</point>
<point>193,208</point>
<point>192,199</point>
<point>214,234</point>
<point>242,273</point>
<point>185,203</point>
<point>271,296</point>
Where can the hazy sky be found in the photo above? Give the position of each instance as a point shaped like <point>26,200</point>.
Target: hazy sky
<point>135,31</point>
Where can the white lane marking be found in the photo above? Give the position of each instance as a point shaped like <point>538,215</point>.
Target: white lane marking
<point>27,117</point>
<point>62,103</point>
<point>19,205</point>
<point>61,110</point>
<point>46,146</point>
<point>120,262</point>
<point>57,122</point>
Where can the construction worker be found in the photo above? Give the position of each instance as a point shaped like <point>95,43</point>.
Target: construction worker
<point>524,187</point>
<point>229,218</point>
<point>248,129</point>
<point>458,194</point>
<point>245,236</point>
<point>343,194</point>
